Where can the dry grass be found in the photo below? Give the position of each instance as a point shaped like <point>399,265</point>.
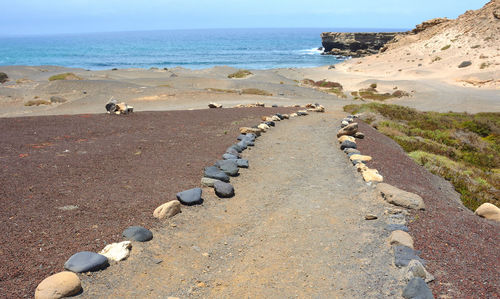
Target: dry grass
<point>65,76</point>
<point>222,90</point>
<point>240,74</point>
<point>256,91</point>
<point>37,103</point>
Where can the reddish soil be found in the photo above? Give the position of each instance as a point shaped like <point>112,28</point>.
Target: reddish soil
<point>462,249</point>
<point>115,169</point>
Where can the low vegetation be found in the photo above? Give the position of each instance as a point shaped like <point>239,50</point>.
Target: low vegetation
<point>256,91</point>
<point>445,47</point>
<point>371,93</point>
<point>37,103</point>
<point>222,90</point>
<point>327,86</point>
<point>240,74</point>
<point>65,76</point>
<point>462,148</point>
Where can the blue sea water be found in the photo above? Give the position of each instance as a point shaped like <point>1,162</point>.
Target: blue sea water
<point>194,49</point>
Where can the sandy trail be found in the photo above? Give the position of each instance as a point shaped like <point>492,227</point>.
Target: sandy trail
<point>295,228</point>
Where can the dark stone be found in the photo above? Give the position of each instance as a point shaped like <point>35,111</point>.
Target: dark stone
<point>301,113</point>
<point>464,64</point>
<point>280,116</point>
<point>275,106</point>
<point>403,255</point>
<point>354,162</point>
<point>247,142</point>
<point>270,123</point>
<point>241,137</point>
<point>351,151</point>
<point>251,136</point>
<point>242,163</point>
<point>3,77</point>
<point>347,144</point>
<point>236,147</point>
<point>233,151</point>
<point>355,44</point>
<point>137,233</point>
<point>111,106</point>
<point>85,261</point>
<point>230,167</point>
<point>215,173</point>
<point>223,190</point>
<point>393,227</point>
<point>227,156</point>
<point>193,196</point>
<point>56,99</point>
<point>242,144</point>
<point>417,289</point>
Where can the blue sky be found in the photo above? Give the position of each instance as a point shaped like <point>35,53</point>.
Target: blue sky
<point>73,16</point>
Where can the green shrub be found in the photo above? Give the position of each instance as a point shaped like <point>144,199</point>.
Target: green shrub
<point>240,74</point>
<point>445,47</point>
<point>65,76</point>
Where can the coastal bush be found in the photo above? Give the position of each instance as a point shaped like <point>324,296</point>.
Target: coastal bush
<point>37,103</point>
<point>256,91</point>
<point>240,74</point>
<point>65,76</point>
<point>327,86</point>
<point>445,47</point>
<point>463,148</point>
<point>222,90</point>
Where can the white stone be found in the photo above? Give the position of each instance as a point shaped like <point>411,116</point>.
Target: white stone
<point>117,251</point>
<point>167,210</point>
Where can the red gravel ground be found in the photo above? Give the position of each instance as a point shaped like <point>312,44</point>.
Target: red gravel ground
<point>115,169</point>
<point>462,250</point>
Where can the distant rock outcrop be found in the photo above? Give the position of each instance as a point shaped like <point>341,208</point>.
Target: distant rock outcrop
<point>355,44</point>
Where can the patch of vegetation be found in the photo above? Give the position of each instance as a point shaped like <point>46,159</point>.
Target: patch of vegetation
<point>65,76</point>
<point>240,74</point>
<point>463,148</point>
<point>445,47</point>
<point>222,90</point>
<point>327,86</point>
<point>437,58</point>
<point>371,93</point>
<point>37,103</point>
<point>475,46</point>
<point>484,65</point>
<point>373,85</point>
<point>256,91</point>
<point>338,92</point>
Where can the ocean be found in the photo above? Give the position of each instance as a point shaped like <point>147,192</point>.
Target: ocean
<point>193,49</point>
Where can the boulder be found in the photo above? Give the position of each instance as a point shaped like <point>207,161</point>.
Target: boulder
<point>345,137</point>
<point>167,210</point>
<point>403,255</point>
<point>214,105</point>
<point>3,77</point>
<point>488,211</point>
<point>372,175</point>
<point>208,182</point>
<point>243,144</point>
<point>193,196</point>
<point>224,190</point>
<point>230,167</point>
<point>85,261</point>
<point>59,285</point>
<point>399,237</point>
<point>347,144</point>
<point>302,113</point>
<point>400,197</point>
<point>238,147</point>
<point>359,157</point>
<point>350,130</point>
<point>417,289</point>
<point>117,251</point>
<point>416,269</point>
<point>241,136</point>
<point>137,233</point>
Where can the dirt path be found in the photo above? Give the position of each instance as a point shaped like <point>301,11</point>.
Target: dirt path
<point>295,228</point>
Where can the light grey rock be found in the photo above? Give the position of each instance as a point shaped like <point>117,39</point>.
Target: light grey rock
<point>227,156</point>
<point>137,233</point>
<point>190,197</point>
<point>85,261</point>
<point>224,190</point>
<point>416,269</point>
<point>208,182</point>
<point>403,255</point>
<point>242,163</point>
<point>417,289</point>
<point>232,151</point>
<point>400,197</point>
<point>393,227</point>
<point>215,173</point>
<point>349,151</point>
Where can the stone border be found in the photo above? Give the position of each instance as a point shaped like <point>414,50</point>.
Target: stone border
<point>405,257</point>
<point>67,283</point>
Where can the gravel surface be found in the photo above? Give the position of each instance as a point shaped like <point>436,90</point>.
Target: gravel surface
<point>462,250</point>
<point>73,183</point>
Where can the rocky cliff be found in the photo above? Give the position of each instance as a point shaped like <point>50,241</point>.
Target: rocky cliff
<point>355,44</point>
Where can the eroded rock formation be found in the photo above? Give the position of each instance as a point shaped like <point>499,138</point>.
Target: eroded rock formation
<point>355,44</point>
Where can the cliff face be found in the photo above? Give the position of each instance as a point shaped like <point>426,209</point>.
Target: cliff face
<point>355,44</point>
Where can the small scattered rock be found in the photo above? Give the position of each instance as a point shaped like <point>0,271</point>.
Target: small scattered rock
<point>214,105</point>
<point>280,116</point>
<point>293,115</point>
<point>488,211</point>
<point>168,209</point>
<point>416,269</point>
<point>117,251</point>
<point>208,182</point>
<point>85,261</point>
<point>59,285</point>
<point>230,167</point>
<point>399,237</point>
<point>350,130</point>
<point>464,64</point>
<point>400,197</point>
<point>224,190</point>
<point>193,196</point>
<point>137,233</point>
<point>417,289</point>
<point>403,255</point>
<point>347,144</point>
<point>370,217</point>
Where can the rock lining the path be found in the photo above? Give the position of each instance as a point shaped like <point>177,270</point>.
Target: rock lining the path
<point>229,167</point>
<point>417,289</point>
<point>137,233</point>
<point>117,251</point>
<point>215,173</point>
<point>400,197</point>
<point>192,196</point>
<point>59,285</point>
<point>167,210</point>
<point>223,190</point>
<point>488,211</point>
<point>416,269</point>
<point>399,237</point>
<point>85,261</point>
<point>403,255</point>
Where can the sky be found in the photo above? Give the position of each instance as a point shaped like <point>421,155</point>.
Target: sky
<point>27,17</point>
